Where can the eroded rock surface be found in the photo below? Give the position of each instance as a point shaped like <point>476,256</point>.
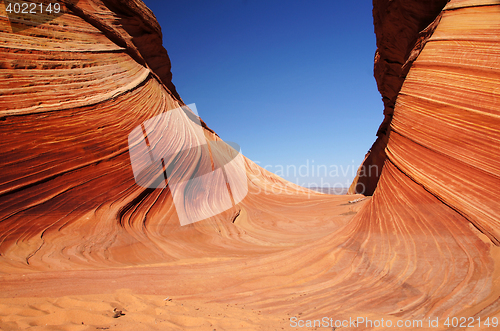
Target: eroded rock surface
<point>73,220</point>
<point>402,29</point>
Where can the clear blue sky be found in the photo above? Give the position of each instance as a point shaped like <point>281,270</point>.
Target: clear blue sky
<point>290,81</point>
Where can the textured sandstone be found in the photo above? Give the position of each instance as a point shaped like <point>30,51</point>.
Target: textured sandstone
<point>74,222</point>
<point>402,28</point>
<point>442,152</point>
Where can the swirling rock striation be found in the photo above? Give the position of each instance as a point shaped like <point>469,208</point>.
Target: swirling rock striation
<point>402,29</point>
<point>442,152</point>
<point>73,220</point>
<point>445,130</point>
<point>72,91</point>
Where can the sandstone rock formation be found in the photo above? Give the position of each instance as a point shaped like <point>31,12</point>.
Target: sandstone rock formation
<point>439,136</point>
<point>402,28</point>
<point>74,222</point>
<point>442,152</point>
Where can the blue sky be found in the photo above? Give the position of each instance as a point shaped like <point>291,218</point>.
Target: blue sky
<point>290,81</point>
